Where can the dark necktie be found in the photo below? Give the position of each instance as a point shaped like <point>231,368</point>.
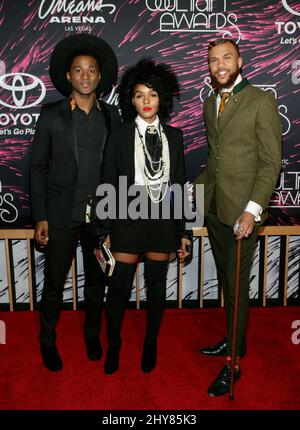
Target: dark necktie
<point>224,97</point>
<point>154,146</point>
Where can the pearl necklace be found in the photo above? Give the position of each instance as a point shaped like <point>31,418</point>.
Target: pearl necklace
<point>162,172</point>
<point>147,154</point>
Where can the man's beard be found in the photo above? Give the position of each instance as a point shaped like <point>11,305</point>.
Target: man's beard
<point>229,83</point>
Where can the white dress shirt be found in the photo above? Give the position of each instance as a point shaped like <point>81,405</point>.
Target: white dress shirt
<point>142,125</point>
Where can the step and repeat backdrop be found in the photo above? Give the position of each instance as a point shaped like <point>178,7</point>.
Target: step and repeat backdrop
<point>176,32</point>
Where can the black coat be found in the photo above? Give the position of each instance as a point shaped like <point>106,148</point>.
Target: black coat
<point>119,161</point>
<point>54,163</point>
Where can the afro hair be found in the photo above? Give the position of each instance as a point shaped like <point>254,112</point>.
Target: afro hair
<point>157,76</point>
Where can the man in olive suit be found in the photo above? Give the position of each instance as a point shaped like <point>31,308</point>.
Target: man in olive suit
<point>244,159</point>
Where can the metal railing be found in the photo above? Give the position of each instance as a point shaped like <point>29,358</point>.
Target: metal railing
<point>201,233</point>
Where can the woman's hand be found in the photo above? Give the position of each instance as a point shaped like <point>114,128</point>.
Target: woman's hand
<point>107,240</point>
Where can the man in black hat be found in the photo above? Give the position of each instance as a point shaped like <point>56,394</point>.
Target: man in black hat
<point>65,172</point>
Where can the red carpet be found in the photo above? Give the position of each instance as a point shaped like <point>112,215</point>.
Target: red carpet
<point>270,371</point>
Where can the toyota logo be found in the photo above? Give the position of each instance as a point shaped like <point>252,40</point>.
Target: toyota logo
<point>21,90</point>
<point>289,8</point>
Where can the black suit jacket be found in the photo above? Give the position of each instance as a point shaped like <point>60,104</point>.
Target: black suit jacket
<point>54,163</point>
<point>119,161</point>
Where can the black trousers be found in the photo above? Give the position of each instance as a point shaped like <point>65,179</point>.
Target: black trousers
<point>223,244</point>
<point>59,252</point>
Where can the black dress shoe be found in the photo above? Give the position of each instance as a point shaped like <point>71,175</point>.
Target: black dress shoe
<point>221,384</point>
<point>215,350</point>
<point>149,357</point>
<point>51,358</point>
<point>111,364</point>
<point>93,348</point>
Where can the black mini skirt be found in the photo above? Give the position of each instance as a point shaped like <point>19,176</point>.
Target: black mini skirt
<point>141,236</point>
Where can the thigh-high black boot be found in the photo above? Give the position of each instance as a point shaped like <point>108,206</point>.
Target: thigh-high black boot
<point>155,281</point>
<point>118,294</point>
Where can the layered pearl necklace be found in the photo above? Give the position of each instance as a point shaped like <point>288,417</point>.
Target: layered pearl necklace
<point>161,168</point>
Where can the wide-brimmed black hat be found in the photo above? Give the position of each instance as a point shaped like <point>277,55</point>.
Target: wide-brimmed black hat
<point>83,44</point>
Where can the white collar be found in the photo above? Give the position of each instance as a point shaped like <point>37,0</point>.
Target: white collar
<point>237,81</point>
<point>142,124</point>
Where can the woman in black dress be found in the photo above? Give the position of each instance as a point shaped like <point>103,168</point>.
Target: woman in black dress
<point>146,153</point>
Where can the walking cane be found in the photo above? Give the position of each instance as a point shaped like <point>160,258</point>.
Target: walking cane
<point>235,315</point>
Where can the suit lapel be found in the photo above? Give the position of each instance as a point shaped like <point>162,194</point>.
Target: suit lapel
<point>107,128</point>
<point>230,108</point>
<point>232,104</point>
<point>211,112</point>
<point>106,115</point>
<point>172,153</point>
<point>66,115</point>
<point>129,151</point>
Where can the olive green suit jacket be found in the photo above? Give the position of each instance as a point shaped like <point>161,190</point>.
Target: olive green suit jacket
<point>244,152</point>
